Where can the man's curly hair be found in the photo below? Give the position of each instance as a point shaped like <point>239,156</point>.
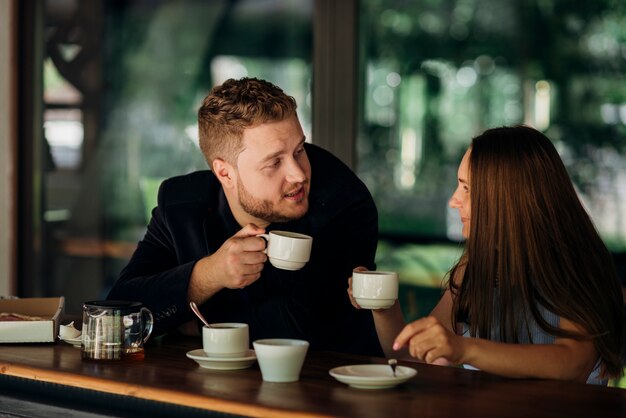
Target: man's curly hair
<point>234,106</point>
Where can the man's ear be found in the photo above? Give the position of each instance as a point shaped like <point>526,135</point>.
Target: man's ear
<point>224,172</point>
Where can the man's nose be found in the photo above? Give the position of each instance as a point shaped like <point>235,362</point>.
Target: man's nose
<point>295,172</point>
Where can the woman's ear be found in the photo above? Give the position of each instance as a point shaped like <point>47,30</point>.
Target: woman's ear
<point>224,172</point>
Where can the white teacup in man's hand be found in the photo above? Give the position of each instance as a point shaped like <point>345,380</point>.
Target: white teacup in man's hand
<point>288,250</point>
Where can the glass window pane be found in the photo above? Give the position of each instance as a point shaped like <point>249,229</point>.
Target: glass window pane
<point>437,73</point>
<point>123,83</point>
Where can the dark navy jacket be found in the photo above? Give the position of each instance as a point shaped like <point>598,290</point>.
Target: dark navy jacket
<point>193,219</point>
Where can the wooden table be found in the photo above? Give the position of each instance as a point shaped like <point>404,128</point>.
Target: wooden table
<point>166,376</point>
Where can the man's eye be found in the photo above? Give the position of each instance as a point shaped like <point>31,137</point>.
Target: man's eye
<point>274,163</point>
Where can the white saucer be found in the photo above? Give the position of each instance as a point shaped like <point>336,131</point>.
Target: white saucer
<point>372,376</point>
<point>73,341</point>
<point>222,363</point>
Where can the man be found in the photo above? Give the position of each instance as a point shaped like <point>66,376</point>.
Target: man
<point>201,244</point>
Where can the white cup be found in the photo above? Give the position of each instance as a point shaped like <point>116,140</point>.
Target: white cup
<point>375,289</point>
<point>227,339</point>
<point>288,250</point>
<point>280,359</point>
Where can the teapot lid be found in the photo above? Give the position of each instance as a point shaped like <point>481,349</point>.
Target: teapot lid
<point>124,306</point>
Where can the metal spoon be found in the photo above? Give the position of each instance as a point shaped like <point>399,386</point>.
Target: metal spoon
<point>195,310</point>
<point>393,363</point>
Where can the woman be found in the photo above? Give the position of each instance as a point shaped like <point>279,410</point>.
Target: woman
<point>535,288</point>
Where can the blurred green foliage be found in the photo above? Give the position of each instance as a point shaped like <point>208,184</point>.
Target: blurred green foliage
<point>438,72</point>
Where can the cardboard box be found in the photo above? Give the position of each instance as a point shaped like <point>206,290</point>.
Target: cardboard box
<point>46,330</point>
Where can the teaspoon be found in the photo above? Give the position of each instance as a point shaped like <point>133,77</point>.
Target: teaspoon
<point>393,363</point>
<point>195,310</point>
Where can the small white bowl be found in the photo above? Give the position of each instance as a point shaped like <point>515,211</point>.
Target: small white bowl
<point>280,359</point>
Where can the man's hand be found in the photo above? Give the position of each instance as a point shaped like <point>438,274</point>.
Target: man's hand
<point>237,264</point>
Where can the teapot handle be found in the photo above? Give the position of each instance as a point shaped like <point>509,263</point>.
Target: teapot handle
<point>148,323</point>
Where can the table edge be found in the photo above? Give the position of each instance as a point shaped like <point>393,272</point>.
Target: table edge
<point>148,393</point>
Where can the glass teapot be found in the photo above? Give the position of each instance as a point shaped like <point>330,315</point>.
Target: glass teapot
<point>115,330</point>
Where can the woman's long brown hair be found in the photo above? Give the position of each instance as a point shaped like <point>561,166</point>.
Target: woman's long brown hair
<point>531,239</point>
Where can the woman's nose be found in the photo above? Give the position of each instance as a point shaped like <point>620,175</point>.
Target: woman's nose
<point>454,203</point>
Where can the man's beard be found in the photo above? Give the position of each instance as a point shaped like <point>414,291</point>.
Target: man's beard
<point>262,209</point>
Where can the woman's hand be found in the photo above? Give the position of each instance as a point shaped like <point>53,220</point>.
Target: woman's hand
<point>388,322</point>
<point>428,340</point>
<point>352,299</point>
